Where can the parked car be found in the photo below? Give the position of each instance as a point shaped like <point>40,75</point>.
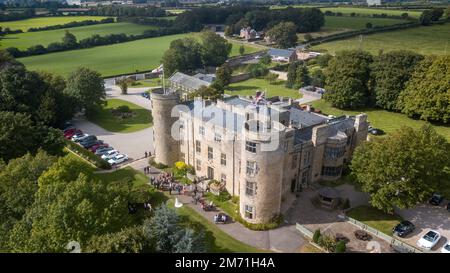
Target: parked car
<point>73,133</point>
<point>102,151</point>
<point>87,139</point>
<point>69,130</point>
<point>376,131</point>
<point>403,229</point>
<point>66,125</point>
<point>97,146</point>
<point>145,95</point>
<point>429,240</point>
<point>446,247</point>
<point>117,159</point>
<point>88,144</point>
<point>110,154</point>
<point>78,138</point>
<point>436,199</point>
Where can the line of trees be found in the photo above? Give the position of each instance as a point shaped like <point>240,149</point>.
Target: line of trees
<point>127,11</point>
<point>401,81</point>
<point>73,24</point>
<point>14,15</point>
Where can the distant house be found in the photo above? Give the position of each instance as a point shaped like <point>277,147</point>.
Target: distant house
<point>374,2</point>
<point>282,55</point>
<point>205,77</point>
<point>186,83</point>
<point>250,34</point>
<point>303,53</point>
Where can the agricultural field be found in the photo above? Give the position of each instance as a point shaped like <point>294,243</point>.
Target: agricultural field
<point>370,11</point>
<point>46,21</point>
<point>424,40</point>
<point>338,24</point>
<point>24,40</point>
<point>249,88</point>
<point>139,55</point>
<point>378,118</point>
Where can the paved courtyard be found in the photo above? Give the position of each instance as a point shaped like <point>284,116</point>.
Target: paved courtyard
<point>329,222</point>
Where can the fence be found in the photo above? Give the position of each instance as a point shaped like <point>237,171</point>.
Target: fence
<point>306,232</point>
<point>396,244</point>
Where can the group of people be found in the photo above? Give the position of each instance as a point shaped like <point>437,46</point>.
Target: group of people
<point>220,218</point>
<point>166,181</point>
<point>133,207</point>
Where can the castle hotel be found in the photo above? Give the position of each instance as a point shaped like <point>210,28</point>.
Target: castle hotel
<point>262,150</point>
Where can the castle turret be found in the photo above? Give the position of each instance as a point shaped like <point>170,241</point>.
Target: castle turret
<point>167,149</point>
<point>261,171</point>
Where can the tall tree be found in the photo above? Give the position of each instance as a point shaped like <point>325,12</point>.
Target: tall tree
<point>292,74</point>
<point>348,79</point>
<point>188,241</point>
<point>425,18</point>
<point>223,75</point>
<point>215,49</point>
<point>427,93</point>
<point>403,168</point>
<point>391,71</point>
<point>284,34</point>
<point>87,88</point>
<point>69,40</point>
<point>162,228</point>
<point>183,55</point>
<point>436,14</point>
<point>302,76</point>
<point>128,240</point>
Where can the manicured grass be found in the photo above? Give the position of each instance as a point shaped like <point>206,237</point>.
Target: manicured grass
<point>27,39</point>
<point>146,83</point>
<point>247,48</point>
<point>140,55</point>
<point>217,241</point>
<point>141,118</point>
<point>351,23</point>
<point>423,40</point>
<point>137,177</point>
<point>249,87</point>
<point>375,218</point>
<point>47,21</point>
<point>385,120</point>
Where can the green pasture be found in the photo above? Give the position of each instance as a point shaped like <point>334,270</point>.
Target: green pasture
<point>249,88</point>
<point>46,21</point>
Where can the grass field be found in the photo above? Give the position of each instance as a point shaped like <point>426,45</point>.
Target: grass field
<point>141,118</point>
<point>147,83</point>
<point>46,21</point>
<point>350,23</point>
<point>424,40</point>
<point>385,120</point>
<point>139,55</point>
<point>249,87</point>
<point>375,218</point>
<point>27,39</point>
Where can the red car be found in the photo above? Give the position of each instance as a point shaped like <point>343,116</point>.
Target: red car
<point>70,134</point>
<point>70,130</point>
<point>97,146</point>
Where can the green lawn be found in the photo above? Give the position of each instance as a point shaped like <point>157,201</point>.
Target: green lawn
<point>375,218</point>
<point>27,39</point>
<point>351,23</point>
<point>140,55</point>
<point>424,40</point>
<point>141,118</point>
<point>147,83</point>
<point>47,21</point>
<point>249,87</point>
<point>385,120</point>
<point>217,240</point>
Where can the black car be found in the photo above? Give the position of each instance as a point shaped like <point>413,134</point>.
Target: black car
<point>90,143</point>
<point>403,229</point>
<point>436,199</point>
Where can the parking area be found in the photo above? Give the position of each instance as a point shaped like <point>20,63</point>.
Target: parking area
<point>328,221</point>
<point>426,217</point>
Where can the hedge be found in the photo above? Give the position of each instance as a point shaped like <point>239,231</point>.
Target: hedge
<point>89,156</point>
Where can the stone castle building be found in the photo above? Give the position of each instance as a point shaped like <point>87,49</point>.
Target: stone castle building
<point>263,151</point>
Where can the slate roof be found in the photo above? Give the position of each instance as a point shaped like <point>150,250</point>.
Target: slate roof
<point>187,81</point>
<point>205,77</point>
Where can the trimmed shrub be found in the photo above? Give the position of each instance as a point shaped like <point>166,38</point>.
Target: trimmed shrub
<point>316,236</point>
<point>340,247</point>
<point>89,156</point>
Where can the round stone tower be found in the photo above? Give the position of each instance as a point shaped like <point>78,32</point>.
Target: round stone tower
<point>167,149</point>
<point>262,158</point>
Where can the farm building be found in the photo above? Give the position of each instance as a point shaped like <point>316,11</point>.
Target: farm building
<point>282,55</point>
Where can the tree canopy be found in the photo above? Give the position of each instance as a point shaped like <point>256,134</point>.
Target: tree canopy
<point>348,79</point>
<point>284,34</point>
<point>391,71</point>
<point>403,168</point>
<point>427,93</point>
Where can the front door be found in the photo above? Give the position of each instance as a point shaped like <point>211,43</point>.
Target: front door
<point>210,173</point>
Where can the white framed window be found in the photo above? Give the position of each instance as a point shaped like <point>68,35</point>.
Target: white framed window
<point>307,158</point>
<point>250,146</point>
<point>250,188</point>
<point>223,178</point>
<point>248,212</point>
<point>217,137</point>
<point>210,153</point>
<point>251,168</point>
<point>198,146</point>
<point>198,165</point>
<point>201,130</point>
<point>223,159</point>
